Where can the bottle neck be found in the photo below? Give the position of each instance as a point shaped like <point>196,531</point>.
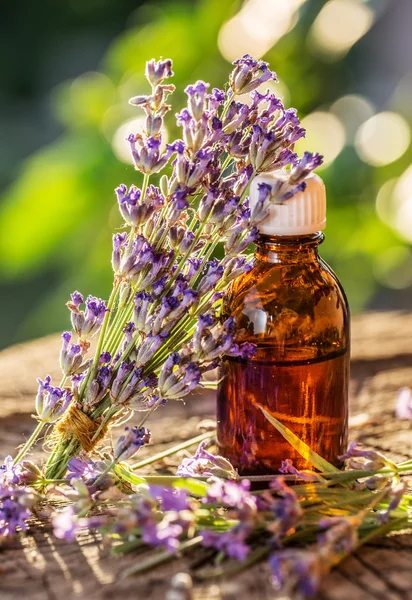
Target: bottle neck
<point>288,249</point>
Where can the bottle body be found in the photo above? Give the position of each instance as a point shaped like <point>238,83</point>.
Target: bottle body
<point>292,307</point>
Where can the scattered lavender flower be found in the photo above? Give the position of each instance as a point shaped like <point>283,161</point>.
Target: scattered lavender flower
<point>205,464</point>
<point>230,542</point>
<point>129,443</point>
<point>89,471</point>
<point>374,460</point>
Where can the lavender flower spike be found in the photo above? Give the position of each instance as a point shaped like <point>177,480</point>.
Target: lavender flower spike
<point>129,443</point>
<point>205,464</point>
<point>51,402</point>
<point>71,357</point>
<point>86,323</point>
<point>249,74</point>
<point>156,72</point>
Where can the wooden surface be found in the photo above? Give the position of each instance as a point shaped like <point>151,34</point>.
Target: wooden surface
<point>40,567</point>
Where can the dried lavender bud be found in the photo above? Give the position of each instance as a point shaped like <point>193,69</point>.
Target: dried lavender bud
<point>249,74</point>
<point>129,443</point>
<point>157,71</point>
<point>51,402</point>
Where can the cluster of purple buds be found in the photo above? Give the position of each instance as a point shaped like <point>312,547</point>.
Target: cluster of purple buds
<point>205,464</point>
<point>178,378</point>
<point>157,71</point>
<point>195,133</point>
<point>135,210</point>
<point>51,402</point>
<point>234,267</point>
<point>130,442</point>
<point>157,528</point>
<point>149,346</point>
<point>130,388</point>
<point>249,74</point>
<point>189,173</point>
<point>71,356</point>
<point>88,322</point>
<point>238,238</point>
<point>237,497</point>
<point>98,387</point>
<point>285,507</point>
<point>298,572</point>
<point>372,460</point>
<point>147,154</point>
<point>89,472</point>
<point>140,263</point>
<point>15,499</point>
<point>212,339</point>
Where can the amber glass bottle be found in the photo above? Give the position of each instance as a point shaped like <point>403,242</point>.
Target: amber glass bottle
<point>292,307</point>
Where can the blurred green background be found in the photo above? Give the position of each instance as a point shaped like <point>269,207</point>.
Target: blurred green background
<point>68,69</point>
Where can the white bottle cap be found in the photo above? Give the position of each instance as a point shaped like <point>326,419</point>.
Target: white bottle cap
<point>302,214</point>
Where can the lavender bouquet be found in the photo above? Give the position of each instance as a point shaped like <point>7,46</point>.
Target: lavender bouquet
<point>156,337</point>
<point>159,331</point>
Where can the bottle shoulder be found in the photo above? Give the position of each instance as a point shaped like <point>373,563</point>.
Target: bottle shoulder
<point>300,307</point>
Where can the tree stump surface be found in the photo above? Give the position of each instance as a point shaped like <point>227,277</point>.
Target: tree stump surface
<point>41,567</point>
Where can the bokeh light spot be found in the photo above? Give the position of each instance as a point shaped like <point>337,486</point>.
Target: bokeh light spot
<point>339,25</point>
<point>353,110</point>
<point>382,139</point>
<point>393,267</point>
<point>257,27</point>
<point>324,134</point>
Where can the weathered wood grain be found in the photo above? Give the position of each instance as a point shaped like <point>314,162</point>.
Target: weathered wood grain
<point>40,567</point>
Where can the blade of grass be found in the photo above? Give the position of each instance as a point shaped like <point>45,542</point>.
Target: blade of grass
<point>307,453</point>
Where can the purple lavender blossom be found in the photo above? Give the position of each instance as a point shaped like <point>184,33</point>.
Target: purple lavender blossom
<point>269,150</point>
<point>205,464</point>
<point>170,499</point>
<point>143,301</point>
<point>149,347</point>
<point>180,383</point>
<point>234,267</point>
<point>86,323</point>
<point>374,460</point>
<point>51,402</point>
<point>300,570</point>
<point>305,166</point>
<point>286,508</point>
<point>196,98</point>
<point>21,474</point>
<point>13,514</point>
<point>119,240</point>
<point>71,357</point>
<point>135,210</point>
<point>157,71</point>
<point>98,387</point>
<point>209,344</point>
<point>129,443</point>
<point>249,74</point>
<point>146,153</point>
<point>230,542</point>
<point>89,471</point>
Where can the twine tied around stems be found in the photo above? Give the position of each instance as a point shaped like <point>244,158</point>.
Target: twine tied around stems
<point>77,423</point>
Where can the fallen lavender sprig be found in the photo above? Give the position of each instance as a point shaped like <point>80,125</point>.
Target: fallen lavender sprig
<point>159,331</point>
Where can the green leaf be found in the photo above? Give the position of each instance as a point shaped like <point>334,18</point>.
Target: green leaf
<point>308,454</point>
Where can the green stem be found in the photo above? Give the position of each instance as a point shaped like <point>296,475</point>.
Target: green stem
<point>32,439</point>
